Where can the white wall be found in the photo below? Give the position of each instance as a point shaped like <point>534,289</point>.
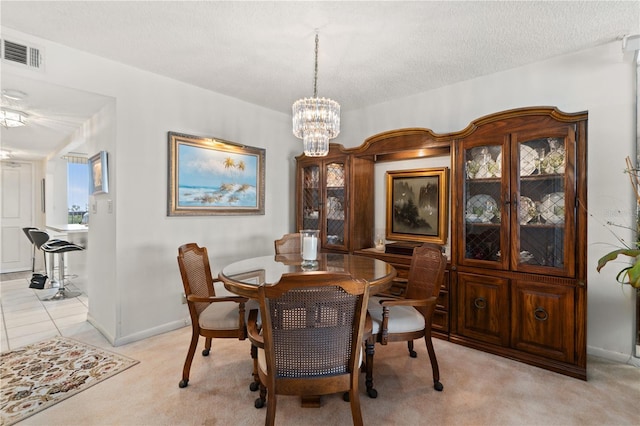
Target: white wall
<point>598,80</point>
<point>134,282</point>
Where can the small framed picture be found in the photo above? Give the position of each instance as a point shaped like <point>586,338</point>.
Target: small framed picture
<point>417,202</point>
<point>99,174</point>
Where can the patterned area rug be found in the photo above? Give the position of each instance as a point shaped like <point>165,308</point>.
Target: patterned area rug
<point>38,376</point>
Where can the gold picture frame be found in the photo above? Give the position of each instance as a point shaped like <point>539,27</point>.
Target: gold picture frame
<point>417,205</point>
<point>209,176</point>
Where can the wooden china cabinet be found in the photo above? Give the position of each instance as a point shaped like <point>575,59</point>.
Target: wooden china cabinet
<point>516,278</point>
<point>519,227</point>
<point>328,188</point>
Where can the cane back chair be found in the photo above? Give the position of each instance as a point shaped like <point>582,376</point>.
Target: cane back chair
<point>212,316</point>
<point>311,342</point>
<point>288,244</point>
<point>409,317</point>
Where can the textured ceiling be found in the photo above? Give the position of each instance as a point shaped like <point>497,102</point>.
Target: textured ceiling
<point>370,52</point>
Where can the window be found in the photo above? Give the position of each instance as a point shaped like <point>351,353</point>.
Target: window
<point>77,191</point>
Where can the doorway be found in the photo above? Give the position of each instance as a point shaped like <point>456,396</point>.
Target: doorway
<point>16,207</point>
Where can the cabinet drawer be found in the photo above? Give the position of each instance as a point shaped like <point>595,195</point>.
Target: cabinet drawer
<point>397,288</point>
<point>443,301</point>
<point>401,272</point>
<point>440,321</point>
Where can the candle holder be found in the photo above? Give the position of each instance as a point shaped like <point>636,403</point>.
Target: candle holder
<point>309,247</point>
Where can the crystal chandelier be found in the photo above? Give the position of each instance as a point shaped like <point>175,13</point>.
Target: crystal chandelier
<point>11,118</point>
<point>316,120</point>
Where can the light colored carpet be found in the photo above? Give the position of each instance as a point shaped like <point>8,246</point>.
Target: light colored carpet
<point>40,375</point>
<point>479,389</point>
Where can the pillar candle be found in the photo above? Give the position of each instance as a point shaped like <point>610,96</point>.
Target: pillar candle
<point>309,248</point>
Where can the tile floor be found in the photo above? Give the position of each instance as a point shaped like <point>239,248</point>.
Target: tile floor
<point>26,318</point>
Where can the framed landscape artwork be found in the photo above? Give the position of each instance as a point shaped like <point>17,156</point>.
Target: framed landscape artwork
<point>210,176</point>
<point>417,205</point>
<point>99,174</point>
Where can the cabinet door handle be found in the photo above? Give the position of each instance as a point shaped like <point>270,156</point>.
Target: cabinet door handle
<point>540,314</point>
<point>480,303</point>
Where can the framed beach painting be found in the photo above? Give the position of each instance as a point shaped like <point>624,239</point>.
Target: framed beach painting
<point>417,204</point>
<point>98,174</point>
<point>209,176</point>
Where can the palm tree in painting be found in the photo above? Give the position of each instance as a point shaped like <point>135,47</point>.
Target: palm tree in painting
<point>229,163</point>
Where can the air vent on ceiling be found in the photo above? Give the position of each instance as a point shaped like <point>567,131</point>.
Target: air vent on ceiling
<point>21,54</point>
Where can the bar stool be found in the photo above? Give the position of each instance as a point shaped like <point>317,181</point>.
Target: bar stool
<point>33,254</point>
<point>60,247</point>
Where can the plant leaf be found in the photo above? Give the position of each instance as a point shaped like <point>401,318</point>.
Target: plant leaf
<point>633,253</point>
<point>634,275</point>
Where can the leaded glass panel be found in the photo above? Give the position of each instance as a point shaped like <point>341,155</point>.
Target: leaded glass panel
<point>335,203</point>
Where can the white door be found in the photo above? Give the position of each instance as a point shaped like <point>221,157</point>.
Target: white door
<point>16,212</point>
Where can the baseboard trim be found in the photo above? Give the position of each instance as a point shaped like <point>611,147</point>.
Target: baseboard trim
<point>613,356</point>
<point>174,325</point>
<point>101,329</point>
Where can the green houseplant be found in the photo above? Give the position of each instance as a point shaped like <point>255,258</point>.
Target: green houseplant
<point>630,274</point>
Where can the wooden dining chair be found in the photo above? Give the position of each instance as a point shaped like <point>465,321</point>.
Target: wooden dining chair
<point>212,316</point>
<point>288,244</point>
<point>312,332</point>
<point>409,317</point>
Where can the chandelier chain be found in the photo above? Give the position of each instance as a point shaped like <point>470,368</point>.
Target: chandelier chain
<point>315,72</point>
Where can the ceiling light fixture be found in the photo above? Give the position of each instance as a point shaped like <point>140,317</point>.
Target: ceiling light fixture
<point>12,118</point>
<point>316,120</point>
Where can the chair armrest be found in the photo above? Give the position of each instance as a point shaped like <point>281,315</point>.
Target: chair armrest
<point>212,299</point>
<point>429,303</point>
<point>253,331</point>
<point>368,327</point>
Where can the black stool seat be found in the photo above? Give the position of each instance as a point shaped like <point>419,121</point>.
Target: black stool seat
<point>60,247</point>
<point>39,237</point>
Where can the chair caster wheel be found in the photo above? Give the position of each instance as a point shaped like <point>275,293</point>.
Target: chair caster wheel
<point>183,383</point>
<point>413,354</point>
<point>205,352</point>
<point>372,393</point>
<point>438,386</point>
<point>254,386</point>
<point>258,403</point>
<point>345,397</point>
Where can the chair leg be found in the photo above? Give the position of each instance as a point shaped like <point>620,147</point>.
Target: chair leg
<point>369,352</point>
<point>356,412</point>
<point>434,363</point>
<point>271,410</point>
<point>190,353</point>
<point>412,353</point>
<point>255,384</point>
<point>33,260</point>
<point>262,397</point>
<point>207,347</point>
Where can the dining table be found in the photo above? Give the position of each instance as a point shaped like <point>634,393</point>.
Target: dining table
<point>244,277</point>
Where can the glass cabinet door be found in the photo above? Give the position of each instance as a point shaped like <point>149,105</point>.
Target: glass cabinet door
<point>484,236</point>
<point>544,207</point>
<point>518,202</point>
<point>311,197</point>
<point>335,204</point>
